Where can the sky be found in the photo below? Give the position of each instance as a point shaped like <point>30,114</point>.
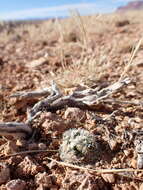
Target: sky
<point>33,9</point>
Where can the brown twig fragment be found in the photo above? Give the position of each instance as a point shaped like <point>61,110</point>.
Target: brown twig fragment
<point>17,130</point>
<point>112,170</point>
<point>26,152</point>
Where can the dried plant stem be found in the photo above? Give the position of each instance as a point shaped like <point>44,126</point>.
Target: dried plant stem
<point>32,94</point>
<point>114,101</point>
<point>78,19</point>
<point>127,67</point>
<point>95,170</point>
<point>113,170</point>
<point>26,152</point>
<point>15,129</point>
<point>87,99</point>
<point>99,171</point>
<point>61,32</point>
<point>84,99</point>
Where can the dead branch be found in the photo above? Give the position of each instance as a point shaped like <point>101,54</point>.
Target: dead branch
<point>84,99</point>
<point>31,118</point>
<point>134,103</point>
<point>55,94</point>
<point>17,130</point>
<point>32,94</point>
<point>104,93</point>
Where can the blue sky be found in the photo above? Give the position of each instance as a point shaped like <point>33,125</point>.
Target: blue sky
<point>22,9</point>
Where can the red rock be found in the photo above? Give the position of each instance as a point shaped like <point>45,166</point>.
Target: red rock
<point>4,173</point>
<point>75,114</point>
<point>16,185</point>
<point>43,179</point>
<point>28,167</point>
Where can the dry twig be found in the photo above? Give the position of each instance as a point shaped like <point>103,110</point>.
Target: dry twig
<point>128,66</point>
<point>113,170</point>
<point>84,99</point>
<point>26,152</point>
<point>15,129</point>
<point>32,94</point>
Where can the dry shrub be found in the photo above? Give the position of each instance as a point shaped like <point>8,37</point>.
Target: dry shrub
<point>71,37</point>
<point>85,70</point>
<point>125,46</point>
<point>122,23</point>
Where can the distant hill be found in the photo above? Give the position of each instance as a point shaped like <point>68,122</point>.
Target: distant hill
<point>134,5</point>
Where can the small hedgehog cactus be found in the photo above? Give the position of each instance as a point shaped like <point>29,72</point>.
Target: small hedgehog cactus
<point>79,146</point>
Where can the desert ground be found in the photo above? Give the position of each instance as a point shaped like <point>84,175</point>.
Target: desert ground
<point>86,76</point>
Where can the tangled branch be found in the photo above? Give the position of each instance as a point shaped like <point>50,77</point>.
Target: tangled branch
<point>55,100</point>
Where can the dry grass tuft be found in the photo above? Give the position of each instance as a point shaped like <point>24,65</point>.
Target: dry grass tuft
<point>129,64</point>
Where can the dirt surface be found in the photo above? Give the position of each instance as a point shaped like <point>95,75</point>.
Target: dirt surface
<point>88,51</point>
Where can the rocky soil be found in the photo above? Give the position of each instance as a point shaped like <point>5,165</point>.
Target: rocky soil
<point>80,52</point>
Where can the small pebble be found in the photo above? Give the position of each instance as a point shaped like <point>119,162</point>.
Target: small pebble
<point>42,146</point>
<point>134,163</point>
<point>4,173</point>
<point>16,184</point>
<point>109,178</point>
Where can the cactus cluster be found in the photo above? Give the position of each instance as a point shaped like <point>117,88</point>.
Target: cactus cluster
<point>79,146</point>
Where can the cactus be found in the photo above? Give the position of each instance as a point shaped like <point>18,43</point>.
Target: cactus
<point>79,146</point>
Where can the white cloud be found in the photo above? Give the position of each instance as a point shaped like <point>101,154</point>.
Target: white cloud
<point>63,10</point>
